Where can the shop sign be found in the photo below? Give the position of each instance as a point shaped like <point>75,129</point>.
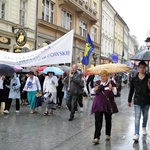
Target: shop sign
<point>21,37</point>
<point>4,40</point>
<point>114,58</point>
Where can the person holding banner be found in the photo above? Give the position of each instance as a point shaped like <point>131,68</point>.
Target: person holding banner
<point>74,90</point>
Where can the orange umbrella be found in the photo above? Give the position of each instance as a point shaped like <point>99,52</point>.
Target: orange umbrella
<point>111,68</point>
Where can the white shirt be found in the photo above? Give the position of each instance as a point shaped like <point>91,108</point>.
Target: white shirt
<point>107,88</point>
<point>1,82</point>
<point>35,84</point>
<point>48,86</point>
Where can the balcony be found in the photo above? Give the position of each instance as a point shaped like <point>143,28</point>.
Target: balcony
<point>81,8</point>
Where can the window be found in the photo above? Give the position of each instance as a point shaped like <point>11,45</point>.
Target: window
<point>86,1</point>
<point>109,28</point>
<point>83,28</point>
<point>94,34</point>
<point>108,50</point>
<point>105,47</point>
<point>94,6</point>
<point>66,20</point>
<point>22,12</point>
<point>2,9</point>
<point>103,27</point>
<point>106,25</point>
<point>48,11</point>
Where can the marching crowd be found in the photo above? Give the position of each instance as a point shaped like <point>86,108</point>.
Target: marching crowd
<point>72,87</point>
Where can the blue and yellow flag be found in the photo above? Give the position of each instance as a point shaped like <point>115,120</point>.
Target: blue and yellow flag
<point>89,47</point>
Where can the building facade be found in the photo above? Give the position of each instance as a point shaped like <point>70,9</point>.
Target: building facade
<point>119,37</point>
<point>17,25</point>
<point>126,44</point>
<point>57,17</point>
<point>107,36</point>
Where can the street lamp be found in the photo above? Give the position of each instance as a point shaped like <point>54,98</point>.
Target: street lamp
<point>94,58</point>
<point>147,42</point>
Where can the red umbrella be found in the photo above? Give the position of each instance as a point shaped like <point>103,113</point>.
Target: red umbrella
<point>41,68</point>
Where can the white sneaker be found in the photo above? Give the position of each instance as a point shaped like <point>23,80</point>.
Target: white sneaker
<point>144,131</point>
<point>107,137</point>
<point>95,141</point>
<point>6,112</point>
<point>81,109</point>
<point>17,111</point>
<point>136,137</point>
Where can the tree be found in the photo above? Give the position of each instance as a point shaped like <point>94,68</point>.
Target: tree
<point>136,44</point>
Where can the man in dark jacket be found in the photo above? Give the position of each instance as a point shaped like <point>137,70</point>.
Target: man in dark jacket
<point>139,87</point>
<point>74,90</point>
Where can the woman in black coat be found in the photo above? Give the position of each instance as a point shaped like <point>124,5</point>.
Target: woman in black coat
<point>60,92</point>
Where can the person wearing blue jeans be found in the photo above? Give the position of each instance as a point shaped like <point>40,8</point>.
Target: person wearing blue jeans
<point>140,88</point>
<point>138,110</point>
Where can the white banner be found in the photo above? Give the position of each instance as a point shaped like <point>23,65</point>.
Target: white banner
<point>60,51</point>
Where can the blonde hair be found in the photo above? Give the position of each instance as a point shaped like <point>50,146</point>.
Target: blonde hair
<point>104,72</point>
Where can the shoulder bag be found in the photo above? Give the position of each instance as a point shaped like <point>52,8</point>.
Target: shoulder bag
<point>112,104</point>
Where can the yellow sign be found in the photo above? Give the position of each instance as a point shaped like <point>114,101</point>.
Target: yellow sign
<point>21,37</point>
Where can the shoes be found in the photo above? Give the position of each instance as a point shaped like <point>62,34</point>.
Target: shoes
<point>6,112</point>
<point>144,131</point>
<point>58,106</point>
<point>136,137</point>
<point>46,113</point>
<point>17,111</point>
<point>81,109</point>
<point>51,112</point>
<point>32,112</point>
<point>107,137</point>
<point>70,119</point>
<point>95,141</point>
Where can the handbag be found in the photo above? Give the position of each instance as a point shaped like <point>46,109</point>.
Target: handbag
<point>112,104</point>
<point>38,101</point>
<point>51,105</point>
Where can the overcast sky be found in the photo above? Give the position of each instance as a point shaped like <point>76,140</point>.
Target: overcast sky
<point>136,14</point>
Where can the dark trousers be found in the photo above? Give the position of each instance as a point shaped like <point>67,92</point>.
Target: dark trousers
<point>80,100</point>
<point>99,122</point>
<point>8,104</point>
<point>59,101</point>
<point>87,86</point>
<point>72,105</point>
<point>1,96</point>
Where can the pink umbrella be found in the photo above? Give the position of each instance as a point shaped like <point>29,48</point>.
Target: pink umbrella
<point>16,68</point>
<point>41,68</point>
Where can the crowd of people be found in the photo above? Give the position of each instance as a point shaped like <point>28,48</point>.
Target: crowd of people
<point>71,87</point>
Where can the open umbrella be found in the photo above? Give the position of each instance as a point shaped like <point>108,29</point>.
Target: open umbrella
<point>6,70</point>
<point>111,68</point>
<point>41,68</point>
<point>56,70</point>
<point>16,68</point>
<point>142,55</point>
<point>23,71</point>
<point>64,68</point>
